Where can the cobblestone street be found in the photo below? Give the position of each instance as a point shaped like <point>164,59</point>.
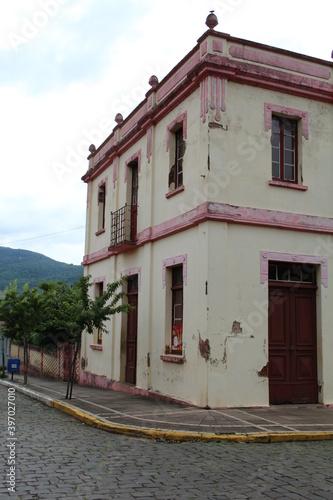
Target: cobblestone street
<point>58,457</point>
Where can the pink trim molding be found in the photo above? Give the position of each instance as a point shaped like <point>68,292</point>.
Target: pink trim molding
<point>173,261</point>
<point>296,113</point>
<point>215,99</point>
<point>177,76</point>
<point>180,119</point>
<point>132,272</point>
<point>279,62</point>
<point>135,156</point>
<point>225,213</point>
<point>266,256</point>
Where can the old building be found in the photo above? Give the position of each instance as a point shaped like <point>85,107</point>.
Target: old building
<point>214,198</point>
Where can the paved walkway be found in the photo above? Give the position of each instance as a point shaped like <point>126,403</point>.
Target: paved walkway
<point>124,413</point>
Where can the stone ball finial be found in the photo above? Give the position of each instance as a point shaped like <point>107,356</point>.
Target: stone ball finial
<point>119,118</point>
<point>153,81</point>
<point>92,148</point>
<point>211,20</point>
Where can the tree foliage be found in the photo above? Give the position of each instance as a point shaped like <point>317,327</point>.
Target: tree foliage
<point>19,312</point>
<point>59,313</point>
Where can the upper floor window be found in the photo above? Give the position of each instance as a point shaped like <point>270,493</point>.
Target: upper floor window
<point>284,149</point>
<point>101,207</point>
<point>176,144</point>
<point>176,171</point>
<point>289,130</point>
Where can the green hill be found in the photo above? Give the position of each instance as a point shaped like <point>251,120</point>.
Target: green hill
<point>31,267</point>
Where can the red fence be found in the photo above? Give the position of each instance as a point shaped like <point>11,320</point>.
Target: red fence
<point>44,363</point>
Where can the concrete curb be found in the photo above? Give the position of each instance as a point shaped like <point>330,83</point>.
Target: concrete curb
<point>183,436</point>
<point>169,435</point>
<point>28,392</point>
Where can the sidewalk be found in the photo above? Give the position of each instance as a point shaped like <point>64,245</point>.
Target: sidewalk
<point>129,414</point>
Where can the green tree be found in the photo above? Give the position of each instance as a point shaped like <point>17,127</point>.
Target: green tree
<point>19,312</point>
<point>69,310</point>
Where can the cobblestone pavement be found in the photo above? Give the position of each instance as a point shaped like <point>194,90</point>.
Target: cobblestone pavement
<point>58,457</point>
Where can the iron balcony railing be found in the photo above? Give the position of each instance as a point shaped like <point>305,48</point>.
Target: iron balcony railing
<point>121,226</point>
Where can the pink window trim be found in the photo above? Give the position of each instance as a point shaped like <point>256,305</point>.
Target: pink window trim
<point>284,110</point>
<point>101,231</point>
<point>99,279</point>
<point>131,272</point>
<point>174,192</point>
<point>174,261</point>
<point>103,182</point>
<point>265,257</point>
<point>96,347</point>
<point>171,358</point>
<point>180,119</point>
<point>136,155</point>
<point>288,185</point>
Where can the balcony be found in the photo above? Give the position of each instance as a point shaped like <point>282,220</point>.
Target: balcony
<point>122,227</point>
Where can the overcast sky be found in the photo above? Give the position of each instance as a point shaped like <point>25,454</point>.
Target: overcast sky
<point>67,67</point>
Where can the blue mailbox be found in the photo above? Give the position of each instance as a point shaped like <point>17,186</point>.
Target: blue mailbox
<point>13,366</point>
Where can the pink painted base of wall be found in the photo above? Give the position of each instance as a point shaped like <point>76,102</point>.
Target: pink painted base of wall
<point>101,382</point>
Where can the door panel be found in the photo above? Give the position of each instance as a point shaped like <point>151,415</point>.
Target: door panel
<point>131,344</point>
<point>292,345</point>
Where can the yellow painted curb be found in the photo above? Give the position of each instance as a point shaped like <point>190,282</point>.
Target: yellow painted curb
<point>182,436</point>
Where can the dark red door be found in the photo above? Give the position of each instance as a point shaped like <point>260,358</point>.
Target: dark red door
<point>134,201</point>
<point>292,344</point>
<point>132,331</point>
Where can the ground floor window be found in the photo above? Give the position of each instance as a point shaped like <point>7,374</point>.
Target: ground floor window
<point>177,310</point>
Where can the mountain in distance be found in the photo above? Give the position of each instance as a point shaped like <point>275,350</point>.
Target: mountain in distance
<point>33,268</point>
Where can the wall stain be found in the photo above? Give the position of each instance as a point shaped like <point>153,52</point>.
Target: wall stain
<point>204,348</point>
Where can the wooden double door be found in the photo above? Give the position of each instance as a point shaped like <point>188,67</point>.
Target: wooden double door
<point>292,344</point>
